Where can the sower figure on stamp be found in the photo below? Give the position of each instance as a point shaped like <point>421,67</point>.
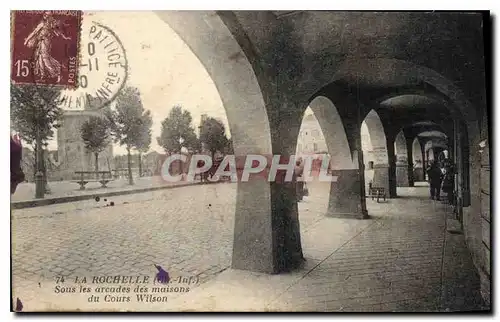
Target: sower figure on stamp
<point>41,40</point>
<point>435,178</point>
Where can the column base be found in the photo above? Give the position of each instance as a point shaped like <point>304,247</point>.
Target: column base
<point>381,180</point>
<point>418,174</point>
<point>357,215</point>
<point>347,199</point>
<point>402,175</point>
<point>253,245</point>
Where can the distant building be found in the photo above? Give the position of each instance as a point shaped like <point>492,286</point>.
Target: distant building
<point>72,155</point>
<point>368,155</point>
<point>366,146</point>
<point>311,139</point>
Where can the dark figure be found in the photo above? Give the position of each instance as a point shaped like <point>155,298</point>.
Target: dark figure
<point>299,186</point>
<point>203,175</point>
<point>209,174</point>
<point>435,178</point>
<point>449,182</point>
<point>16,172</point>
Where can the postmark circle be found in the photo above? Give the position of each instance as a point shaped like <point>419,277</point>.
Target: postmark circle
<point>102,70</point>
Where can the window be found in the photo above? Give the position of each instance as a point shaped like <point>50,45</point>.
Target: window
<point>370,165</point>
<point>315,145</point>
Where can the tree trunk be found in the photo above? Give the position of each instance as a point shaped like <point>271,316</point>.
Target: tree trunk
<point>129,162</point>
<point>35,164</point>
<point>96,166</point>
<point>45,177</point>
<point>140,165</point>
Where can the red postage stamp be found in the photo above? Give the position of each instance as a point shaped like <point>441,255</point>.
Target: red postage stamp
<point>45,47</point>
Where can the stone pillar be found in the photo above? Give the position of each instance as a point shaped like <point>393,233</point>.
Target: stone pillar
<point>347,192</point>
<point>391,156</point>
<point>346,197</point>
<point>402,173</point>
<point>459,166</point>
<point>253,245</point>
<point>401,163</point>
<point>409,149</point>
<point>418,174</point>
<point>392,170</point>
<point>285,213</point>
<point>381,176</point>
<point>285,242</point>
<point>424,162</point>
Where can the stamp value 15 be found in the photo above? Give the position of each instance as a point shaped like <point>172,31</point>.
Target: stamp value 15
<point>45,47</point>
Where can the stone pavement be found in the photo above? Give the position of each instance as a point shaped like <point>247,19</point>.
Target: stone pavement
<point>393,261</point>
<point>402,259</point>
<point>187,230</point>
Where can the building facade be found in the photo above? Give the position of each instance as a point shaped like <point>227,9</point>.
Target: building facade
<point>311,139</point>
<point>72,154</point>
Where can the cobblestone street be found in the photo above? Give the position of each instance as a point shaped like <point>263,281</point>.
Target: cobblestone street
<point>401,259</point>
<point>186,230</point>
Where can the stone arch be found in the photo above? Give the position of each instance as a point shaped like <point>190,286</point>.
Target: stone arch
<point>333,130</point>
<point>400,148</point>
<point>417,153</point>
<point>378,154</point>
<point>404,73</point>
<point>401,152</point>
<point>214,45</point>
<point>408,74</point>
<point>346,193</point>
<point>430,154</point>
<point>418,162</point>
<point>234,77</point>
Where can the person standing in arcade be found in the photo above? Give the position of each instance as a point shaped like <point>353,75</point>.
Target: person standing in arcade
<point>435,178</point>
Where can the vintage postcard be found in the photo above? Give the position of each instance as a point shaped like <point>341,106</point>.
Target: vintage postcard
<point>250,161</point>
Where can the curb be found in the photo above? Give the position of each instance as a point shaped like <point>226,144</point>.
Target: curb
<point>58,200</point>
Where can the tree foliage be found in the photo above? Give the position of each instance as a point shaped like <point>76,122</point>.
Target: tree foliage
<point>34,109</point>
<point>125,121</point>
<point>95,134</point>
<point>213,134</point>
<point>143,139</point>
<point>176,126</point>
<point>129,122</point>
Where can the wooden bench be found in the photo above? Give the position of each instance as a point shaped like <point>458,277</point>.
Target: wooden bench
<point>376,192</point>
<point>84,177</point>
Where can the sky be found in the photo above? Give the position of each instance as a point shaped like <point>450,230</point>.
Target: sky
<point>163,68</point>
